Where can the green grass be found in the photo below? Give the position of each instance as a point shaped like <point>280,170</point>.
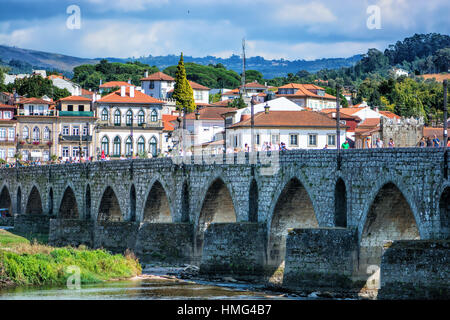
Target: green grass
<point>29,263</point>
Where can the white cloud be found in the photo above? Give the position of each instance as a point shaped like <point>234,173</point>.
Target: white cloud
<point>301,14</point>
<point>127,5</point>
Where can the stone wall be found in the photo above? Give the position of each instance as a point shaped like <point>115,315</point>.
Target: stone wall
<point>116,237</point>
<point>26,224</point>
<point>236,249</point>
<point>71,233</point>
<point>6,221</point>
<point>415,270</point>
<point>320,259</point>
<point>404,132</point>
<point>165,242</point>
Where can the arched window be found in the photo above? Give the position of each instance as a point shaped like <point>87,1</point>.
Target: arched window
<point>116,147</point>
<point>117,117</point>
<point>129,120</point>
<point>154,116</point>
<point>105,115</point>
<point>141,117</point>
<point>153,147</point>
<point>36,134</point>
<point>129,147</point>
<point>105,145</point>
<point>46,133</point>
<point>141,145</point>
<point>26,133</point>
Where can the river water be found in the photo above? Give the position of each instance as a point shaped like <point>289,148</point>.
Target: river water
<point>145,288</point>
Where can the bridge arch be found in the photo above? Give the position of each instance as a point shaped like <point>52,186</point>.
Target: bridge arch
<point>293,208</point>
<point>253,201</point>
<point>87,203</point>
<point>19,200</point>
<point>185,202</point>
<point>390,217</point>
<point>157,208</point>
<point>132,213</point>
<point>68,207</point>
<point>444,213</point>
<point>340,204</point>
<point>109,207</point>
<point>34,202</point>
<point>50,202</point>
<point>5,200</point>
<point>217,207</point>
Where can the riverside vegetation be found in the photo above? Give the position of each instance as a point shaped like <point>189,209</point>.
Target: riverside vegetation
<point>30,262</point>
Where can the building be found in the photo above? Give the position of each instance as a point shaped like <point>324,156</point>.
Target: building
<point>111,85</point>
<point>308,96</point>
<point>297,129</point>
<point>169,127</point>
<point>8,138</point>
<point>157,85</point>
<point>36,129</point>
<point>346,118</point>
<point>130,123</point>
<point>76,128</point>
<point>62,82</point>
<point>248,90</point>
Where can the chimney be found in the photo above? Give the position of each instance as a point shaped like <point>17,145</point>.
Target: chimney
<point>131,92</point>
<point>146,74</point>
<point>101,81</point>
<point>122,91</point>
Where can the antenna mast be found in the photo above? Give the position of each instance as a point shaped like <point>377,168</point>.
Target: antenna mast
<point>243,68</point>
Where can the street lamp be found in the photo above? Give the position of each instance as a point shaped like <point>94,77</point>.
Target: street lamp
<point>338,129</point>
<point>252,122</point>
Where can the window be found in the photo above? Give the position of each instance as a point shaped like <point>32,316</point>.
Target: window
<point>81,107</point>
<point>312,140</point>
<point>257,139</point>
<point>85,152</point>
<point>10,153</point>
<point>2,134</point>
<point>104,115</point>
<point>46,133</point>
<point>198,95</point>
<point>45,155</point>
<point>25,133</point>
<point>36,134</point>
<point>75,130</point>
<point>7,115</point>
<point>70,107</point>
<point>141,145</point>
<point>65,131</point>
<point>275,139</point>
<point>116,148</point>
<point>153,147</point>
<point>2,154</point>
<point>65,152</point>
<point>129,119</point>
<point>152,85</point>
<point>293,140</point>
<point>117,118</point>
<point>141,117</point>
<point>105,145</point>
<point>75,152</point>
<point>11,134</point>
<point>129,147</point>
<point>85,130</point>
<point>331,139</point>
<point>154,116</point>
<point>31,110</point>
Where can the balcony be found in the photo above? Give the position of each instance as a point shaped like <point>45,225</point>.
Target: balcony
<point>50,113</point>
<point>76,114</point>
<point>7,140</point>
<point>41,143</point>
<point>67,138</point>
<point>145,125</point>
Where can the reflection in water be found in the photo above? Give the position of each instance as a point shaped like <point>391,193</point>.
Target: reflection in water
<point>140,289</point>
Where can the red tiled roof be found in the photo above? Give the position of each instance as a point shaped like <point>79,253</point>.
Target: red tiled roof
<point>347,111</point>
<point>167,120</point>
<point>304,90</point>
<point>75,98</point>
<point>158,76</point>
<point>254,85</point>
<point>210,113</point>
<point>197,86</point>
<point>113,84</point>
<point>289,119</point>
<point>390,115</point>
<point>369,123</point>
<point>231,92</point>
<point>139,97</point>
<point>85,92</point>
<point>223,103</point>
<point>34,101</point>
<point>4,106</point>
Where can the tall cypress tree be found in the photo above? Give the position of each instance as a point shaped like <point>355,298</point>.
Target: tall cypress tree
<point>183,93</point>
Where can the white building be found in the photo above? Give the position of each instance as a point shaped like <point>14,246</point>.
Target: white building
<point>130,124</point>
<point>157,85</point>
<point>63,83</point>
<point>296,129</point>
<point>307,95</point>
<point>249,90</point>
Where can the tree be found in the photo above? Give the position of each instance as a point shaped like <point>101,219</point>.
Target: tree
<point>183,93</point>
<point>238,103</point>
<point>36,86</point>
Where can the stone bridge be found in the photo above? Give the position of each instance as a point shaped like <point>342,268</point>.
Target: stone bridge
<point>236,214</point>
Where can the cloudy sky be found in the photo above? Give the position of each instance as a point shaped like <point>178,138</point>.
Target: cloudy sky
<point>290,29</point>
